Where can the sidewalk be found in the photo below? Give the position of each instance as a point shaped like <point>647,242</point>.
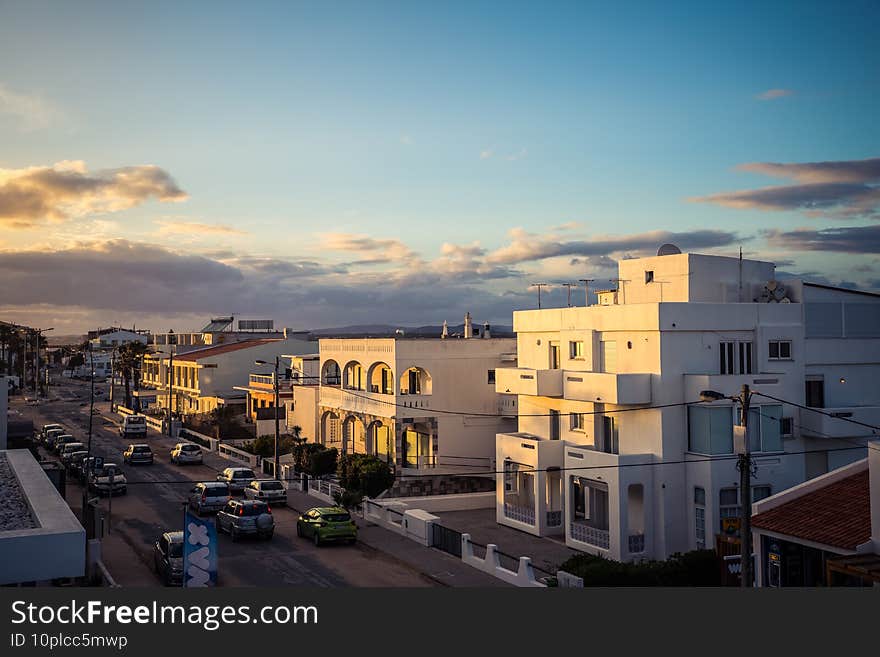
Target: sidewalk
<point>441,567</point>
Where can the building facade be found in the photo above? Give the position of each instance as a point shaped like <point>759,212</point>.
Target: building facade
<point>614,451</point>
<point>387,396</point>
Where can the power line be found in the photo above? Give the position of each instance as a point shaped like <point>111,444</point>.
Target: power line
<point>820,412</point>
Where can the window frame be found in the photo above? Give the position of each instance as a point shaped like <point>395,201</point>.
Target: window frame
<point>778,344</point>
<point>577,422</point>
<point>576,350</point>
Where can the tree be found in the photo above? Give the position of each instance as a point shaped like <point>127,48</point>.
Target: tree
<point>221,419</point>
<point>6,333</point>
<point>364,474</point>
<point>128,360</point>
<point>322,461</point>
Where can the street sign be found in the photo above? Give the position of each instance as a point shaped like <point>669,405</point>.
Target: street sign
<point>99,463</point>
<point>730,526</point>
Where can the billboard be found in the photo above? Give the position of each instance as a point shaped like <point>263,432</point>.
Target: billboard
<point>199,552</point>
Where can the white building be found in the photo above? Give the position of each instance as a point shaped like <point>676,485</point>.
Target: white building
<point>206,377</point>
<point>603,394</point>
<point>219,330</point>
<point>113,339</point>
<point>386,396</point>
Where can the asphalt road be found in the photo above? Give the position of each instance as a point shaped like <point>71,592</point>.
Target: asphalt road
<point>154,504</point>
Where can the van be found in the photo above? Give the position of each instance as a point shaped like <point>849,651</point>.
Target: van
<point>133,426</point>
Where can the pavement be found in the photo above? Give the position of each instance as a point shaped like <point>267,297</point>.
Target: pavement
<point>441,567</point>
<point>545,553</point>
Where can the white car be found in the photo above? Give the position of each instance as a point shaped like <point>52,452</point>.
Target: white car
<point>267,490</point>
<point>237,478</point>
<point>186,453</point>
<point>109,480</point>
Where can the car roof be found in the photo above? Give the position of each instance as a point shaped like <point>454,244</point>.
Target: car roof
<point>239,469</point>
<point>212,483</point>
<point>106,464</point>
<point>139,445</point>
<point>329,509</point>
<point>265,481</point>
<point>174,537</point>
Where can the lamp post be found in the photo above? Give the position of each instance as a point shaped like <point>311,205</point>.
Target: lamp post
<point>275,390</point>
<point>171,342</point>
<point>39,335</point>
<point>744,465</point>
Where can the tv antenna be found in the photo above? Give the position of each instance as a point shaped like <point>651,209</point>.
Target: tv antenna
<point>569,286</point>
<point>586,282</point>
<point>539,286</point>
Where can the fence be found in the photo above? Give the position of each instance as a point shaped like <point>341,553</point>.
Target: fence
<point>523,575</point>
<point>235,454</point>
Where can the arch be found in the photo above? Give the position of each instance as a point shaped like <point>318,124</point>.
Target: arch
<point>415,381</point>
<point>331,429</point>
<point>354,436</point>
<point>380,379</point>
<point>353,376</point>
<point>330,373</point>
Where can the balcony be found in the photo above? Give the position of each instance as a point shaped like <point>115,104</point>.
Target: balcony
<point>554,518</point>
<point>527,381</point>
<point>374,403</point>
<point>822,426</point>
<point>523,514</point>
<point>608,388</point>
<point>731,384</point>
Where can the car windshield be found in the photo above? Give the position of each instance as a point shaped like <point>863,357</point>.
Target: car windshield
<point>189,448</point>
<point>336,517</point>
<point>271,485</point>
<point>175,550</point>
<point>215,491</point>
<point>145,448</point>
<point>254,509</point>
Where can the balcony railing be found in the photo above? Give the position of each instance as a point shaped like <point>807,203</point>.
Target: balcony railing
<point>636,543</point>
<point>519,513</point>
<point>590,535</point>
<point>554,518</point>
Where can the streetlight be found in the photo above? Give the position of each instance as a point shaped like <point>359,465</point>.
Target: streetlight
<point>39,334</point>
<point>275,389</point>
<point>744,465</point>
<point>172,340</point>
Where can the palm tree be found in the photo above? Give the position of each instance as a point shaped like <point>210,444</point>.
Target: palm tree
<point>221,418</point>
<point>128,361</point>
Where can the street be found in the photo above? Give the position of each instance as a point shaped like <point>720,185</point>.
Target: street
<point>154,504</point>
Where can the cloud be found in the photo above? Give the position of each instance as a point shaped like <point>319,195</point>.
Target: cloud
<point>486,154</point>
<point>66,190</point>
<point>390,249</point>
<point>773,94</point>
<point>169,227</point>
<point>850,239</point>
<point>519,155</point>
<point>841,189</point>
<point>32,112</point>
<point>525,247</point>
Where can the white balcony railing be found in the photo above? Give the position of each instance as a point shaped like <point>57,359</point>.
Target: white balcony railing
<point>835,425</point>
<point>636,543</point>
<point>554,518</point>
<point>519,513</point>
<point>608,388</point>
<point>590,535</point>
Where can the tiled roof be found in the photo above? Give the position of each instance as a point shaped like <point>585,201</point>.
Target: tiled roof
<point>217,350</point>
<point>838,514</point>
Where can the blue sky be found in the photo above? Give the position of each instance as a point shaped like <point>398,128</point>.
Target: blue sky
<point>300,125</point>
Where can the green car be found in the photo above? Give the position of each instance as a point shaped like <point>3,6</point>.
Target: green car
<point>328,523</point>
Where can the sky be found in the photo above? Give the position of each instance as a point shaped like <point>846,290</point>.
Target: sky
<point>337,163</point>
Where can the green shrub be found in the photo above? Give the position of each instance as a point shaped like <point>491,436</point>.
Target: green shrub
<point>365,474</point>
<point>696,568</point>
<point>322,461</point>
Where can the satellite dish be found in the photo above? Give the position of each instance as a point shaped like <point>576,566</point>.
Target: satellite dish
<point>668,249</point>
<point>771,285</point>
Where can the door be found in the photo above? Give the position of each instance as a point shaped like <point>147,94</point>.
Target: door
<point>554,425</point>
<point>555,356</point>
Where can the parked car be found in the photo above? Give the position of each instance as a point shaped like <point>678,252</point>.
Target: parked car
<point>268,490</point>
<point>70,449</point>
<point>73,458</point>
<point>83,468</point>
<point>109,479</point>
<point>139,453</point>
<point>45,429</point>
<point>186,453</point>
<point>246,517</point>
<point>61,441</point>
<point>237,478</point>
<point>168,558</point>
<point>209,496</point>
<point>327,524</point>
<point>51,436</point>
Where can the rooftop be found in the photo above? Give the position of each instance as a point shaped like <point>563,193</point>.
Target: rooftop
<point>838,515</point>
<point>15,513</point>
<point>217,350</point>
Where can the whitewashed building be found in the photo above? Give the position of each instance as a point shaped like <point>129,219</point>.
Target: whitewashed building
<point>610,454</point>
<point>387,396</point>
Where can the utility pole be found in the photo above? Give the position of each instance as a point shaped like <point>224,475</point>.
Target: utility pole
<point>744,465</point>
<point>539,286</point>
<point>569,286</point>
<point>277,458</point>
<point>89,460</point>
<point>112,376</point>
<point>171,342</point>
<point>586,282</point>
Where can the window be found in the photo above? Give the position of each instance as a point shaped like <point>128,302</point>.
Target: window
<point>577,421</point>
<point>490,377</point>
<point>815,392</point>
<point>779,350</point>
<point>710,430</point>
<point>649,277</point>
<point>700,517</point>
<point>554,425</point>
<point>765,428</point>
<point>590,502</point>
<point>735,357</point>
<point>576,349</point>
<point>554,356</point>
<point>728,503</point>
<point>760,492</point>
<point>786,427</point>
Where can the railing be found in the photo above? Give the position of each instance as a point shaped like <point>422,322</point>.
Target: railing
<point>519,513</point>
<point>261,378</point>
<point>636,543</point>
<point>228,452</point>
<point>590,535</point>
<point>554,518</point>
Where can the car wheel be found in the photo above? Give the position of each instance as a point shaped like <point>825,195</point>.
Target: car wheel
<point>317,538</point>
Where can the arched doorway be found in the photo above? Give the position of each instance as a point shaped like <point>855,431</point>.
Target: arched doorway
<point>354,437</point>
<point>331,430</point>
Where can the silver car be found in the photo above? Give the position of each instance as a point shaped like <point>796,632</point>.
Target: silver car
<point>237,478</point>
<point>246,517</point>
<point>186,453</point>
<point>209,496</point>
<point>267,490</point>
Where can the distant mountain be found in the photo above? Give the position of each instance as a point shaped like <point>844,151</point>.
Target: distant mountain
<point>389,330</point>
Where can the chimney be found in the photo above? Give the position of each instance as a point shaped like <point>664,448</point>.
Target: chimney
<point>468,326</point>
<point>445,332</point>
<point>486,330</point>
